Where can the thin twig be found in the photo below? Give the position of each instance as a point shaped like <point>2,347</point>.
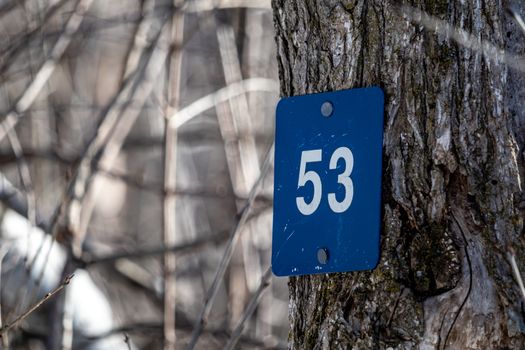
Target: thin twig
<point>221,269</point>
<point>25,175</point>
<point>191,247</point>
<point>158,188</point>
<point>234,117</point>
<point>15,200</point>
<point>9,326</point>
<point>126,341</point>
<point>265,282</point>
<point>42,76</point>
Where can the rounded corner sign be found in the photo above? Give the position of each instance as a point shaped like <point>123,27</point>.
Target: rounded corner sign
<point>327,191</point>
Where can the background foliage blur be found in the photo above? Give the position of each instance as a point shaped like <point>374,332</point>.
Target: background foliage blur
<point>136,153</point>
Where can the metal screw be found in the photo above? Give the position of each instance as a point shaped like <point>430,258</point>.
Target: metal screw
<point>322,256</point>
<point>327,109</point>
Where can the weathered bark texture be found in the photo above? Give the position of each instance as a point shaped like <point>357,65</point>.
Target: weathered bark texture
<point>451,184</point>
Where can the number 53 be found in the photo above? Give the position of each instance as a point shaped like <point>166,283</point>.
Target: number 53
<point>311,176</point>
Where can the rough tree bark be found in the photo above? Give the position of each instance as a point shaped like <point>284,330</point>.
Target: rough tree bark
<point>451,183</point>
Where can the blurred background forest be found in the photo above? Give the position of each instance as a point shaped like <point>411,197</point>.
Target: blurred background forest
<point>136,175</point>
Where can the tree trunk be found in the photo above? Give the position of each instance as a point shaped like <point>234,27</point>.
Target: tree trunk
<point>451,181</point>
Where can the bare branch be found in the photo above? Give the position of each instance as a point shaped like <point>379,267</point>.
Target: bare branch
<point>9,326</point>
<point>110,124</point>
<point>42,153</point>
<point>265,282</point>
<point>9,53</point>
<point>139,43</point>
<point>183,248</point>
<point>209,5</point>
<point>464,38</point>
<point>149,327</point>
<point>109,139</point>
<point>158,188</point>
<point>7,6</point>
<point>25,176</point>
<point>42,76</point>
<point>170,175</point>
<point>223,95</point>
<point>221,269</point>
<point>12,197</point>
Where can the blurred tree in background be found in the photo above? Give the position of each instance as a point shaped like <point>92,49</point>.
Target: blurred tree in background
<point>135,154</point>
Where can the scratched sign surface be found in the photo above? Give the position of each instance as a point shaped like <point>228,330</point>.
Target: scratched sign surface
<point>327,192</point>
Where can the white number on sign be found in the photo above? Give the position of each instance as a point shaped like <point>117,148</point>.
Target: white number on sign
<point>313,177</point>
<point>343,178</point>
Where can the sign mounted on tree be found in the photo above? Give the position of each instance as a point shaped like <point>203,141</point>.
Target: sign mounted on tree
<point>327,192</point>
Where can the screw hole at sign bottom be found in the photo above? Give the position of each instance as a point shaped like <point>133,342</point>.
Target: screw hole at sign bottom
<point>322,256</point>
<point>327,109</point>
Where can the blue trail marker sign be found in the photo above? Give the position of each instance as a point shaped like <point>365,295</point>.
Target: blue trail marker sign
<point>327,192</point>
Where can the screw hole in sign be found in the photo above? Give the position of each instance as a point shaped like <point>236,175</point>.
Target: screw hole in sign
<point>327,109</point>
